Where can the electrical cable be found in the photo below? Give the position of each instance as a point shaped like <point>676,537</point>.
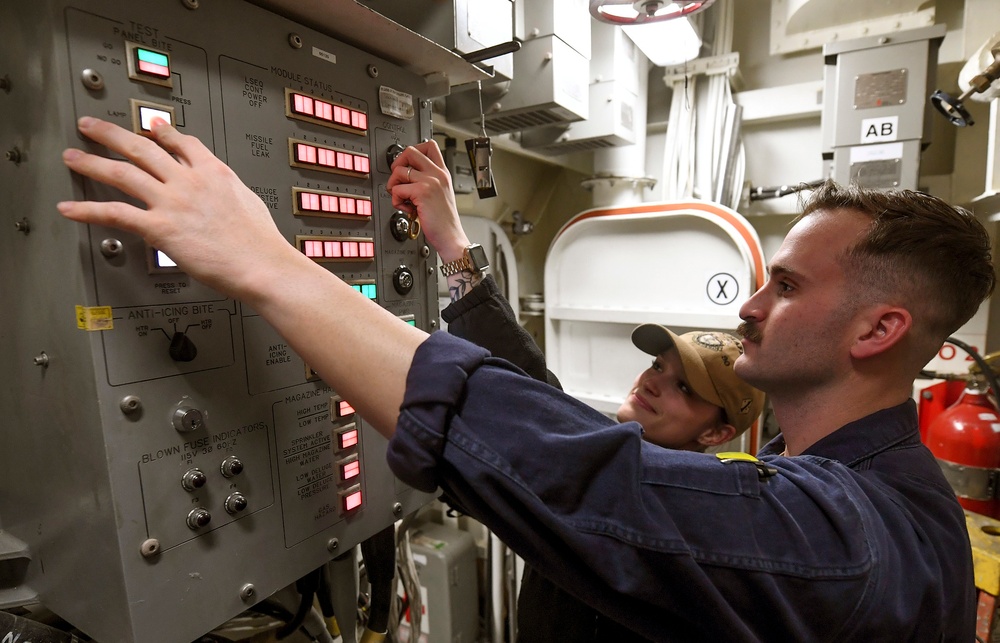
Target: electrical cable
<point>18,627</point>
<point>345,589</point>
<point>406,568</point>
<point>778,191</point>
<point>306,587</point>
<point>379,553</point>
<point>323,596</point>
<point>274,609</point>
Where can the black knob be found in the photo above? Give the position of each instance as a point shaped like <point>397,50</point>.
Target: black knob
<point>394,150</point>
<point>236,503</point>
<point>402,280</point>
<point>194,479</point>
<point>231,466</point>
<point>182,349</point>
<point>199,518</point>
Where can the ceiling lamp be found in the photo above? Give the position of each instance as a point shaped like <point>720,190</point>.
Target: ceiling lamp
<point>635,12</point>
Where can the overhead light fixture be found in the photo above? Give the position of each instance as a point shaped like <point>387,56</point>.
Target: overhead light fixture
<point>666,43</point>
<point>635,12</point>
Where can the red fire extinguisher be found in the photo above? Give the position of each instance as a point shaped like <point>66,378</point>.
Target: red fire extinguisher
<point>965,439</point>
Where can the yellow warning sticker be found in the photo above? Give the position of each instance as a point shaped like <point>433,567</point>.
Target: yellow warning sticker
<point>94,318</point>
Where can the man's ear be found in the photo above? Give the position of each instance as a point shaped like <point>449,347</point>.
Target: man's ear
<point>718,434</point>
<point>884,327</point>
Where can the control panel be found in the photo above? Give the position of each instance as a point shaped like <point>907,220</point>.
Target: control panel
<point>167,460</point>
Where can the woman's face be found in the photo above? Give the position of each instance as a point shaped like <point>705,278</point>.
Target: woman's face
<point>672,415</point>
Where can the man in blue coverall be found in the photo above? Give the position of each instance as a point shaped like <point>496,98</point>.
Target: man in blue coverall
<point>846,531</point>
<point>688,398</point>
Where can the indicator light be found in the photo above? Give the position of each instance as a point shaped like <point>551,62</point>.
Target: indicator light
<point>308,108</point>
<point>350,468</point>
<point>148,65</point>
<point>327,249</point>
<point>351,498</point>
<point>347,438</point>
<point>152,63</point>
<point>317,157</point>
<point>369,291</point>
<point>143,113</point>
<point>147,114</point>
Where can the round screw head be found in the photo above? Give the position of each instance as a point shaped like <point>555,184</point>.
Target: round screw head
<point>149,548</point>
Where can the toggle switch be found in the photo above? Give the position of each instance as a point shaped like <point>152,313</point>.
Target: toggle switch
<point>182,349</point>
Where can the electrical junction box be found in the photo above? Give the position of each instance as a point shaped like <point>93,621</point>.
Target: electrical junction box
<point>446,565</point>
<point>875,119</point>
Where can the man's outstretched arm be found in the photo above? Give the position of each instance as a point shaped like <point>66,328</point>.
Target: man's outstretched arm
<point>219,232</point>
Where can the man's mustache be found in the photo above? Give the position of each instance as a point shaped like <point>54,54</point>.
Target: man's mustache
<point>750,331</point>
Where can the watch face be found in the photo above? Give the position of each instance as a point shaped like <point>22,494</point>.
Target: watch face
<point>477,255</point>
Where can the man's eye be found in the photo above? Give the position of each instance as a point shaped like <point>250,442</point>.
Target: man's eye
<point>684,388</point>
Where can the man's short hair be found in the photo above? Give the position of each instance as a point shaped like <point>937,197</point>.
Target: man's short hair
<point>920,252</point>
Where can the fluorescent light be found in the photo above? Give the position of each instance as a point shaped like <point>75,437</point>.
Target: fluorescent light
<point>630,12</point>
<point>666,43</point>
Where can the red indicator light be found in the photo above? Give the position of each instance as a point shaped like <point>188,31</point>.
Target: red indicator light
<point>154,70</point>
<point>350,470</point>
<point>348,439</point>
<point>344,409</point>
<point>303,104</point>
<point>305,153</point>
<point>361,164</point>
<point>341,115</point>
<point>328,203</point>
<point>324,110</point>
<point>332,249</point>
<point>365,207</point>
<point>352,501</point>
<point>308,201</point>
<point>367,249</point>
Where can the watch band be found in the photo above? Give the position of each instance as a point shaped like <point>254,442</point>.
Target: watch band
<point>473,259</point>
<point>456,266</point>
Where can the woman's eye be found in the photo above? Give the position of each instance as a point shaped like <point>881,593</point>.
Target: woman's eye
<point>656,366</point>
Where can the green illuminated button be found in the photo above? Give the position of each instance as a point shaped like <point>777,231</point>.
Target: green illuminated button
<point>152,63</point>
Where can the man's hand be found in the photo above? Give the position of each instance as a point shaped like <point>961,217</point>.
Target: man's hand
<point>197,209</point>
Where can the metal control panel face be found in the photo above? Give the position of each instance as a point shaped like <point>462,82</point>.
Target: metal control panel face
<point>175,461</point>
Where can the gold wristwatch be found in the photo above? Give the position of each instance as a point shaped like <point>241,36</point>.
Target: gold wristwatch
<point>473,259</point>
